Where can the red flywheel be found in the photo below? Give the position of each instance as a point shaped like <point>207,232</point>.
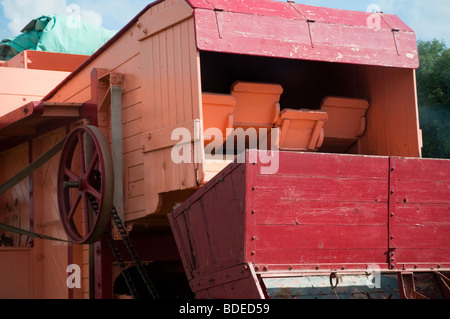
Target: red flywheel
<point>85,185</point>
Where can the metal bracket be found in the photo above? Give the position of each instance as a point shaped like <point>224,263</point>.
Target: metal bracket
<point>407,286</point>
<point>444,284</point>
<point>108,94</point>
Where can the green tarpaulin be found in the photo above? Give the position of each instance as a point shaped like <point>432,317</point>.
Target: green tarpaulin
<point>56,33</point>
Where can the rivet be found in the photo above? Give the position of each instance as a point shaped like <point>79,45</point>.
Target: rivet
<point>253,253</point>
<point>265,268</point>
<point>253,238</point>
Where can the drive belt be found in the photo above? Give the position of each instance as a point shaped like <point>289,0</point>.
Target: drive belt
<point>30,169</point>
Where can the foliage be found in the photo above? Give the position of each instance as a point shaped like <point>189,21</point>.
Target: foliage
<point>433,89</point>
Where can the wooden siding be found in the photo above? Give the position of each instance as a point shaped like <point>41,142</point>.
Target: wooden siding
<point>51,258</point>
<point>14,204</point>
<point>20,86</point>
<point>161,90</point>
<point>392,119</point>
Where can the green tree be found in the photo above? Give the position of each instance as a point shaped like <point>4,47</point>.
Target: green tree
<point>433,90</point>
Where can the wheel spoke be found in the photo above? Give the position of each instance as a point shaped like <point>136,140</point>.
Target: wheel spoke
<point>74,207</point>
<point>94,162</point>
<point>74,177</point>
<point>91,190</point>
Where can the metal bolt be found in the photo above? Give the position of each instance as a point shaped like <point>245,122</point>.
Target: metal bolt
<point>265,268</point>
<point>253,238</point>
<point>253,253</point>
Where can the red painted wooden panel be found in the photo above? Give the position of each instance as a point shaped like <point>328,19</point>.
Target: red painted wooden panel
<point>251,34</point>
<point>337,237</point>
<point>424,256</point>
<point>299,212</point>
<point>209,227</point>
<point>420,204</point>
<point>279,187</point>
<point>422,215</point>
<point>319,209</point>
<point>309,259</point>
<point>256,7</point>
<point>332,165</point>
<point>275,29</point>
<point>336,16</point>
<point>394,22</point>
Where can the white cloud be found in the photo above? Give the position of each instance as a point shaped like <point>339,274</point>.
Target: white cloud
<point>20,12</point>
<point>429,19</point>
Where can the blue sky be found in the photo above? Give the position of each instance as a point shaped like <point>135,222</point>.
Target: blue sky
<point>429,19</point>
